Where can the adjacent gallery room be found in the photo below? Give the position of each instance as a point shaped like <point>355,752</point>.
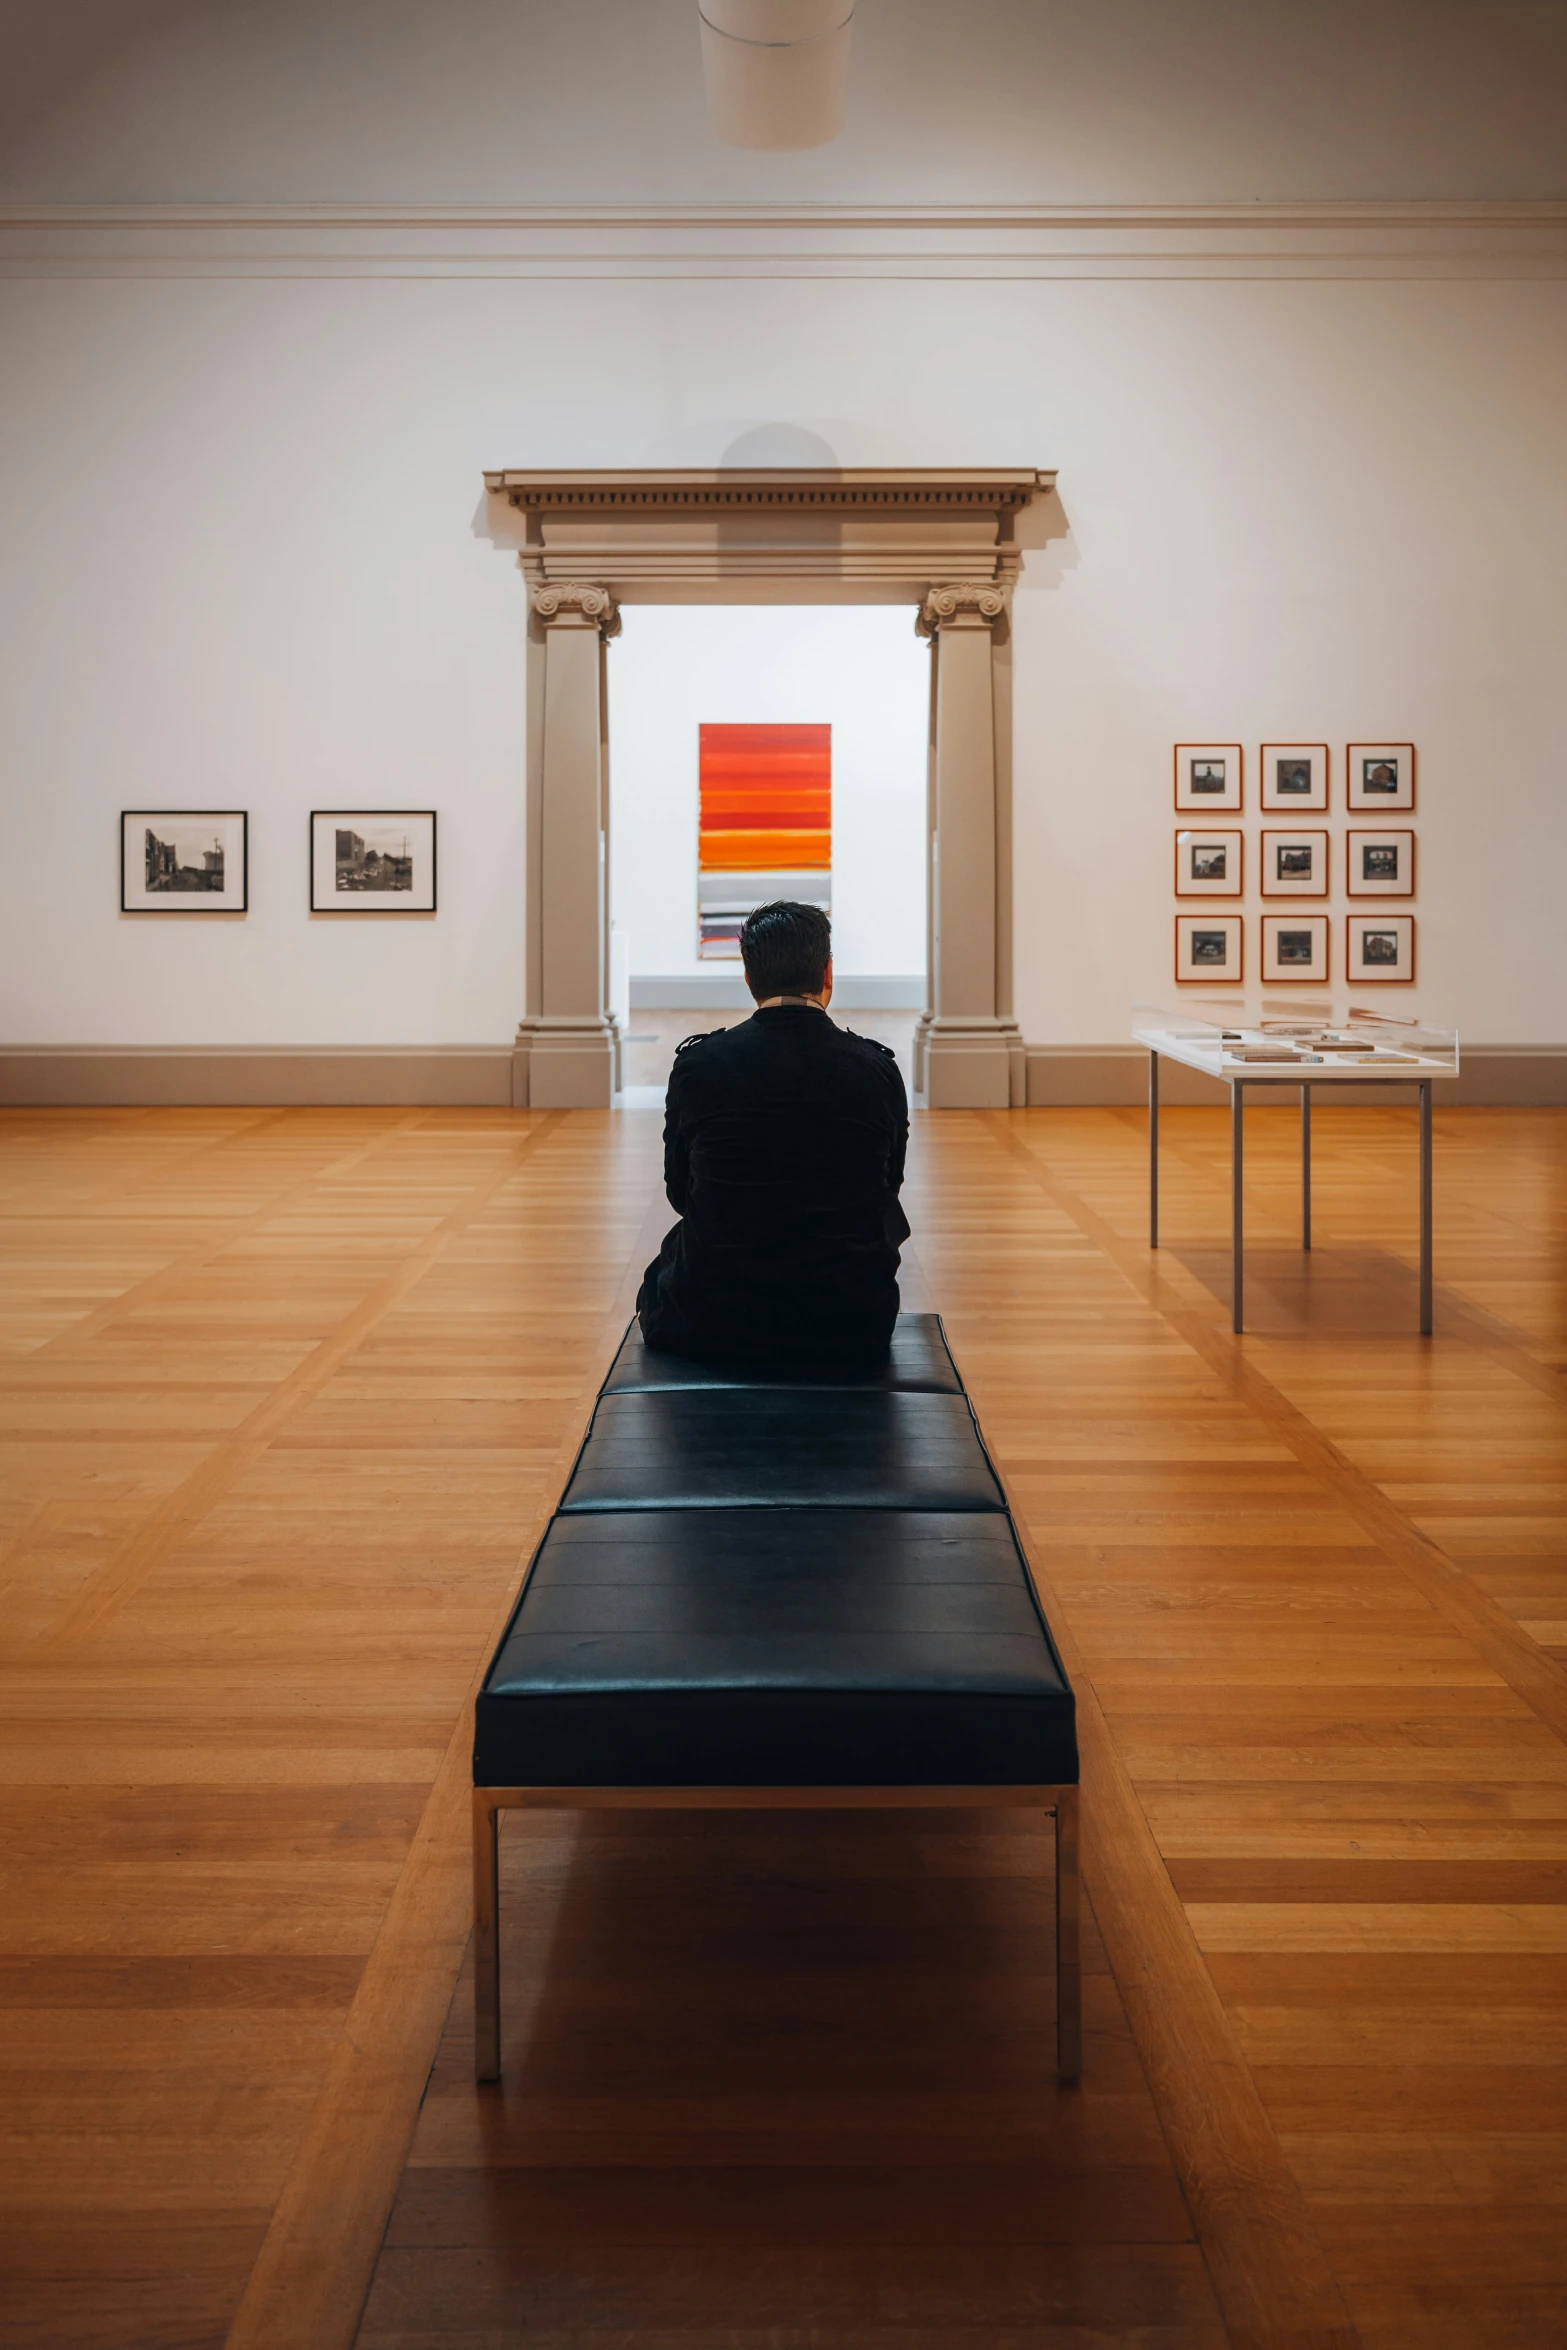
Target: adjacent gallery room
<point>762,752</point>
<point>896,1679</point>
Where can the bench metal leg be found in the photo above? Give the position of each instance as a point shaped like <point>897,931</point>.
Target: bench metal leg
<point>488,1802</point>
<point>486,1938</point>
<point>1153,1150</point>
<point>1069,1973</point>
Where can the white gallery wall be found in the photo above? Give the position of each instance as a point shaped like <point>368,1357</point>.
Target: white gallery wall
<point>245,564</point>
<point>863,672</point>
<point>246,559</point>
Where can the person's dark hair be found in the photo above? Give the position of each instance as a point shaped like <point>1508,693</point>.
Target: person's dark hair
<point>785,949</point>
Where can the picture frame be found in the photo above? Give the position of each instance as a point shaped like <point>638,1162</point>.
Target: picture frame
<point>372,861</point>
<point>184,861</point>
<point>1379,778</point>
<point>1379,950</point>
<point>1209,779</point>
<point>1210,864</point>
<point>1295,950</point>
<point>1210,949</point>
<point>1379,864</point>
<point>1294,779</point>
<point>1295,864</point>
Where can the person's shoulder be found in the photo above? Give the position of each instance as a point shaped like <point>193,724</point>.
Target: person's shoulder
<point>870,1044</point>
<point>688,1044</point>
<point>879,1062</point>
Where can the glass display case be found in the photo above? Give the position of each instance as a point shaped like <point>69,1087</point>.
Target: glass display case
<point>1260,1040</point>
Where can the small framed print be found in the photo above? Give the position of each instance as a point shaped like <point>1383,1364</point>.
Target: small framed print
<point>1380,948</point>
<point>1208,779</point>
<point>184,861</point>
<point>372,861</point>
<point>1380,864</point>
<point>1210,947</point>
<point>1295,947</point>
<point>1209,864</point>
<point>1295,778</point>
<point>1294,864</point>
<point>1379,777</point>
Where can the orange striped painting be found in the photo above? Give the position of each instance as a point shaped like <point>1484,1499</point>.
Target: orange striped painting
<point>766,799</point>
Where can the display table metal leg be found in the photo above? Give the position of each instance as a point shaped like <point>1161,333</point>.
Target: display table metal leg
<point>1237,1206</point>
<point>1425,1209</point>
<point>1153,1150</point>
<point>1305,1166</point>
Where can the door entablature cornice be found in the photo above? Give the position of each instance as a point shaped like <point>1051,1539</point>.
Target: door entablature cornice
<point>771,534</point>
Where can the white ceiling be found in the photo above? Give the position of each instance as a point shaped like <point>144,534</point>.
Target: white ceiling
<point>568,101</point>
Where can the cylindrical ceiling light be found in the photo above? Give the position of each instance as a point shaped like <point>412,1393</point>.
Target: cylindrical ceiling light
<point>777,71</point>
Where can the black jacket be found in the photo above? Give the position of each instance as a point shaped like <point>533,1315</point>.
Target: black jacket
<point>784,1141</point>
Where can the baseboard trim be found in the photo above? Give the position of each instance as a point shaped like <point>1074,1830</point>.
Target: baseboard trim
<point>1088,1076</point>
<point>1075,1076</point>
<point>256,1076</point>
<point>726,991</point>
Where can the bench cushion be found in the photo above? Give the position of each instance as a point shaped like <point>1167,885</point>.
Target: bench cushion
<point>917,1362</point>
<point>775,1647</point>
<point>781,1448</point>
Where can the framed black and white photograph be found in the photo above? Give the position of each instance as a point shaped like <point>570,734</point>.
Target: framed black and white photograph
<point>1379,948</point>
<point>1209,947</point>
<point>1295,864</point>
<point>1209,864</point>
<point>1295,778</point>
<point>372,861</point>
<point>1208,779</point>
<point>184,861</point>
<point>1294,947</point>
<point>1379,777</point>
<point>1380,864</point>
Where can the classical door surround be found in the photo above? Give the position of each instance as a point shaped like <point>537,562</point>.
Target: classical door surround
<point>940,539</point>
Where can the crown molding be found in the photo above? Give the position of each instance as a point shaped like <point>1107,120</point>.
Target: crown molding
<point>1433,239</point>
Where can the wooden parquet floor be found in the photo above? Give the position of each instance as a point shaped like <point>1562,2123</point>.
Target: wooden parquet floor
<point>285,1397</point>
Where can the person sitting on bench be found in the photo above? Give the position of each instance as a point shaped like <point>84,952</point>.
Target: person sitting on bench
<point>784,1142</point>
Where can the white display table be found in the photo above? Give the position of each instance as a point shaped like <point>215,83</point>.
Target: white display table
<point>1277,1047</point>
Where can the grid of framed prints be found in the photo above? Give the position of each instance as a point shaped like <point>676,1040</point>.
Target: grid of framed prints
<point>1295,860</point>
<point>197,861</point>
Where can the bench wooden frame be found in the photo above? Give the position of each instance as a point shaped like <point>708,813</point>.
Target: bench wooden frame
<point>490,1802</point>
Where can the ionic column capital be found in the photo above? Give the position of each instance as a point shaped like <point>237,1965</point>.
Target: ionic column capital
<point>576,603</point>
<point>966,603</point>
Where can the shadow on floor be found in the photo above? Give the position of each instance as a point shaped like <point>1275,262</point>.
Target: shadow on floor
<point>1320,1293</point>
<point>786,2083</point>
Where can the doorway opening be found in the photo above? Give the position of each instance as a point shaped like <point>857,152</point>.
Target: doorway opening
<point>764,751</point>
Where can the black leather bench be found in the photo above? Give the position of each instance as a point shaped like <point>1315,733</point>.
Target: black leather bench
<point>778,1593</point>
